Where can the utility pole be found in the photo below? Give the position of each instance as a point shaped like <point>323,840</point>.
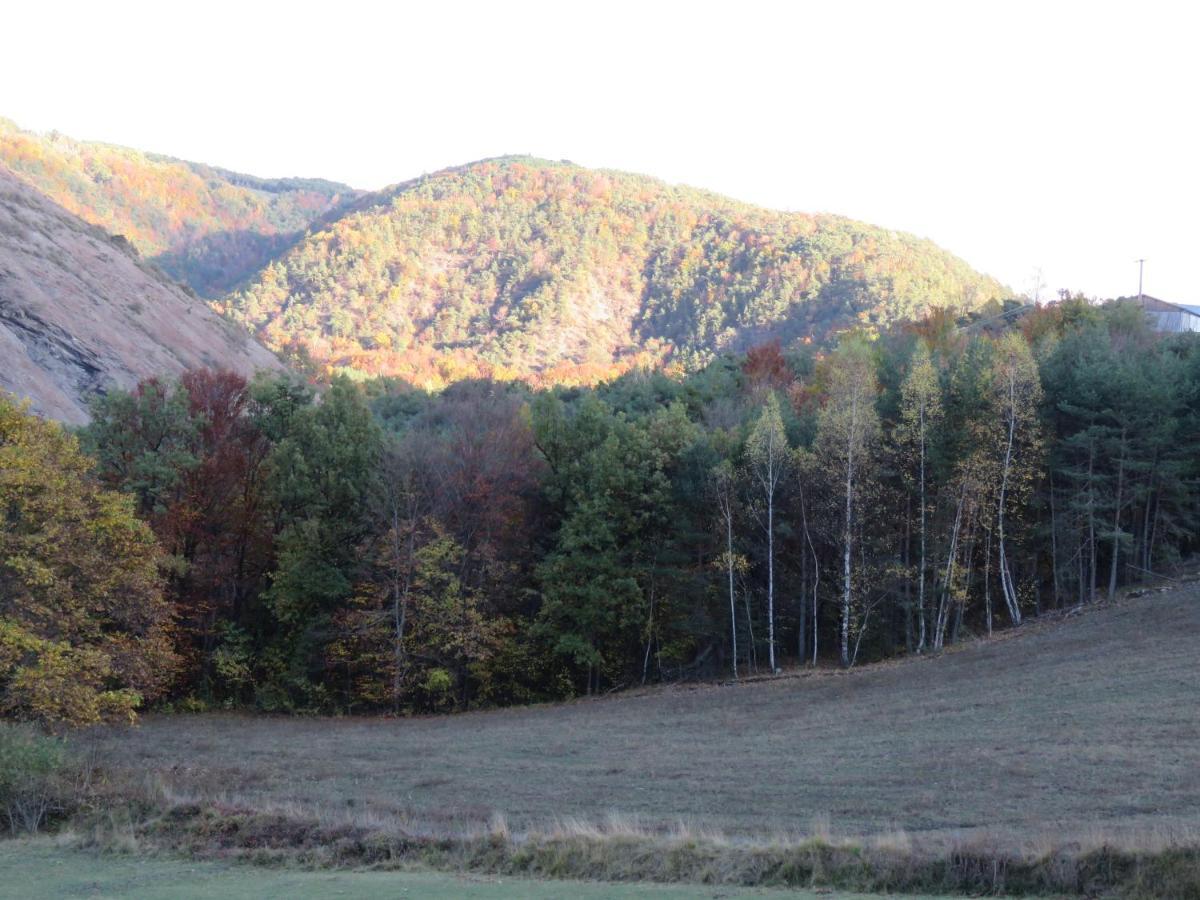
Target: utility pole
<point>1141,264</point>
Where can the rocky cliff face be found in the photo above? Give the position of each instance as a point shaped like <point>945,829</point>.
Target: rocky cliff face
<point>80,312</point>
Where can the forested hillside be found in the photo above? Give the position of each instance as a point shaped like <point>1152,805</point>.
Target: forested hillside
<point>513,267</point>
<point>520,266</point>
<point>207,227</point>
<point>387,548</point>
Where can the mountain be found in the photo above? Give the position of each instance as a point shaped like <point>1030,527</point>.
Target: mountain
<point>520,266</point>
<point>80,312</point>
<point>508,267</point>
<point>206,227</point>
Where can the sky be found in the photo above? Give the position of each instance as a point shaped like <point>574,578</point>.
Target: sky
<point>1050,144</point>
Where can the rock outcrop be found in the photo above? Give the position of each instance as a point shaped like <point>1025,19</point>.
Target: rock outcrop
<point>80,312</point>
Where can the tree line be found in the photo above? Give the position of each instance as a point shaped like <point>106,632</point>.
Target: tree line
<point>376,547</point>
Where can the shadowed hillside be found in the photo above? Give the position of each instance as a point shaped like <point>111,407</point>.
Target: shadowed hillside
<point>520,266</point>
<point>204,226</point>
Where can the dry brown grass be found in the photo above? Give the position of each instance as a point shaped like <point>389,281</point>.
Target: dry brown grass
<point>1061,759</point>
<point>1080,733</point>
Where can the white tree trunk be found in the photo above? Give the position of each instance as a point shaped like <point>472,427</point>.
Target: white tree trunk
<point>921,574</point>
<point>847,543</point>
<point>1116,544</point>
<point>987,581</point>
<point>939,634</point>
<point>816,578</point>
<point>1010,593</point>
<point>1053,540</point>
<point>1092,520</point>
<point>771,574</point>
<point>732,604</point>
<point>752,656</point>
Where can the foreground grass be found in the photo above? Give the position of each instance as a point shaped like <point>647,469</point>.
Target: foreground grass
<point>37,869</point>
<point>618,851</point>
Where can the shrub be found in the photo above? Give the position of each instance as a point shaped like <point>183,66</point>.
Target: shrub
<point>37,778</point>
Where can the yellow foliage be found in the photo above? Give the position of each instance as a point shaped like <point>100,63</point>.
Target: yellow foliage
<point>83,624</point>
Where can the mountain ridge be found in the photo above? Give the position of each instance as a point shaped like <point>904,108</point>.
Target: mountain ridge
<point>206,226</point>
<point>520,266</point>
<point>511,266</point>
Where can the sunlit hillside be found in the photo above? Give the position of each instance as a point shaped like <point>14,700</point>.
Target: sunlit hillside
<point>520,266</point>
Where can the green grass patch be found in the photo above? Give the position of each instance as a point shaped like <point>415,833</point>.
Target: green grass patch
<point>42,869</point>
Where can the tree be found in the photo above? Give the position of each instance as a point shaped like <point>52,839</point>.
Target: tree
<point>222,525</point>
<point>451,630</point>
<point>474,446</point>
<point>142,443</point>
<point>400,506</point>
<point>83,623</point>
<point>847,434</point>
<point>1016,394</point>
<point>603,606</point>
<point>767,458</point>
<point>322,468</point>
<point>723,484</point>
<point>193,457</point>
<point>805,470</point>
<point>921,415</point>
<point>1116,400</point>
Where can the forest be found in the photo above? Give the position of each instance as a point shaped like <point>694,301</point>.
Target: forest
<point>372,546</point>
<point>523,267</point>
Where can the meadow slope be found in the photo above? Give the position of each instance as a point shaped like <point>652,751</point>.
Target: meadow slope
<point>1062,728</point>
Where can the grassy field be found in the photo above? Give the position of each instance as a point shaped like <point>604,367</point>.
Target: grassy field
<point>40,869</point>
<point>1079,730</point>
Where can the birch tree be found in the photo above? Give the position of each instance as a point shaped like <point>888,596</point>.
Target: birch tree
<point>847,436</point>
<point>805,467</point>
<point>920,417</point>
<point>1016,394</point>
<point>767,456</point>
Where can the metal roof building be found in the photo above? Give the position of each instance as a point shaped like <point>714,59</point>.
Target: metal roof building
<point>1171,317</point>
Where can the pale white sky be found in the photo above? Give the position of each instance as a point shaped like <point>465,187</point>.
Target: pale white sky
<point>1064,136</point>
